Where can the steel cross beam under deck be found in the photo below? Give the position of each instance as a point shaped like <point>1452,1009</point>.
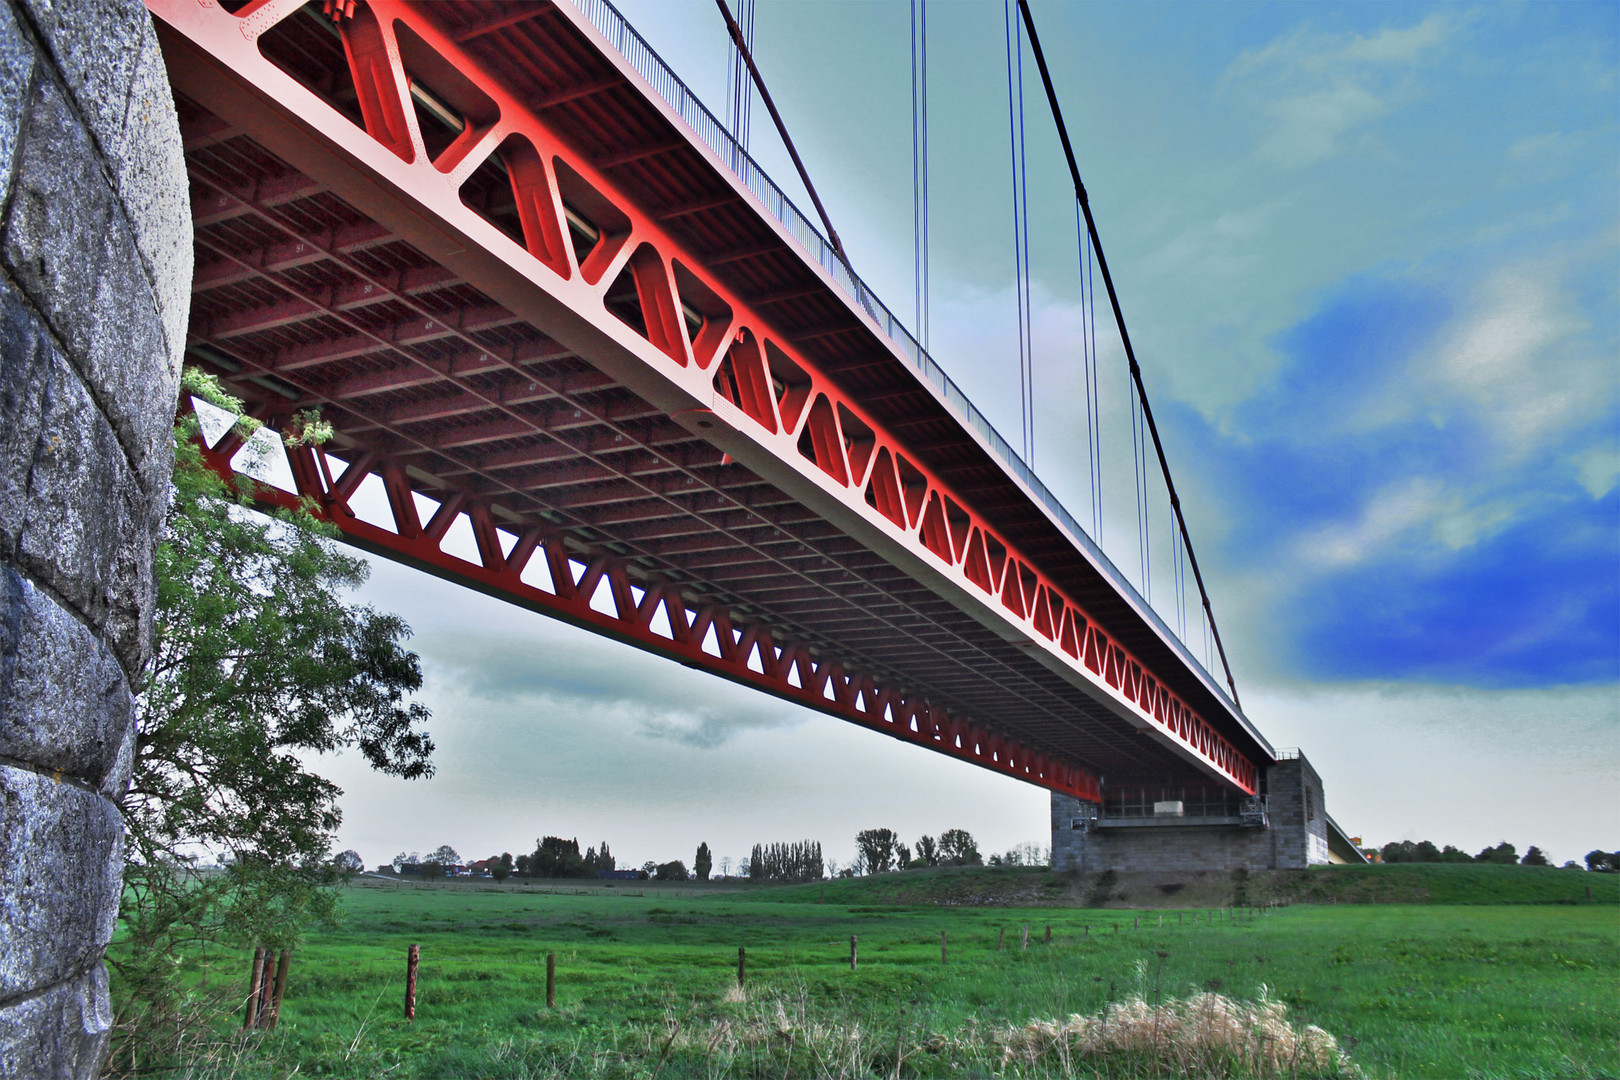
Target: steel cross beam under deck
<point>389,226</point>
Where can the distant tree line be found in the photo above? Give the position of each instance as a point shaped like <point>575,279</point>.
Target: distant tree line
<point>1603,862</point>
<point>1425,851</point>
<point>797,861</point>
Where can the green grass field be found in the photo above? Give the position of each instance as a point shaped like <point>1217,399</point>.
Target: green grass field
<point>647,975</point>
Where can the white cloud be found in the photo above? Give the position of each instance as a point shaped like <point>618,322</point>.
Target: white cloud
<point>1391,512</point>
<point>1510,356</point>
<point>1309,126</point>
<point>1317,89</point>
<point>1598,468</point>
<point>1393,45</point>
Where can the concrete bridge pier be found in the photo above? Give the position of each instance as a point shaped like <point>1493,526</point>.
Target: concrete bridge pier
<point>1145,827</point>
<point>95,278</point>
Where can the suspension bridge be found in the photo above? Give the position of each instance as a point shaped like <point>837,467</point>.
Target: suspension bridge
<point>579,352</point>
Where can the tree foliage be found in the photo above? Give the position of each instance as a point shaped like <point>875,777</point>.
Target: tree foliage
<point>798,861</point>
<point>260,664</point>
<point>958,848</point>
<point>703,863</point>
<point>555,857</point>
<point>877,848</point>
<point>1425,851</point>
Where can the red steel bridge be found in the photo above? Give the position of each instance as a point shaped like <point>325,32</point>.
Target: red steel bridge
<point>546,301</point>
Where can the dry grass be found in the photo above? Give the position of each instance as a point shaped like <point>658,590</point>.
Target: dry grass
<point>1206,1035</point>
<point>1203,1037</point>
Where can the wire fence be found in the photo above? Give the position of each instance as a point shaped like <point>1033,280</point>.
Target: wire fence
<point>712,133</point>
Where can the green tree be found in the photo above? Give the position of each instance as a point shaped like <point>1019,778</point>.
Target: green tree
<point>1534,857</point>
<point>555,857</point>
<point>1504,853</point>
<point>1600,861</point>
<point>878,849</point>
<point>927,851</point>
<point>500,868</point>
<point>259,665</point>
<point>703,862</point>
<point>672,871</point>
<point>958,848</point>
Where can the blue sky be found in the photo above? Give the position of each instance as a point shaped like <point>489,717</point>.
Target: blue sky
<point>1370,259</point>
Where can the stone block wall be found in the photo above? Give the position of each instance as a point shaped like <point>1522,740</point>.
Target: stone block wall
<point>95,279</point>
<point>1295,837</point>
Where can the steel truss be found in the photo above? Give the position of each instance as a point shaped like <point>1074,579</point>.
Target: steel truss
<point>707,358</point>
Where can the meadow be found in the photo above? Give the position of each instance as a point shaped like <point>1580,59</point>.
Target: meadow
<point>647,975</point>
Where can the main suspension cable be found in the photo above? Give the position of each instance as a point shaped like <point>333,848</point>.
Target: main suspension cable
<point>1125,340</point>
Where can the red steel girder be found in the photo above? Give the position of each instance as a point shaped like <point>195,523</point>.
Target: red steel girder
<point>738,381</point>
<point>596,590</point>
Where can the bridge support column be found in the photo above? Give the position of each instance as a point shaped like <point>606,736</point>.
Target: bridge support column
<point>1293,835</point>
<point>95,276</point>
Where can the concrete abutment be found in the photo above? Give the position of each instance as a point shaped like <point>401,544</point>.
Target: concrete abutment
<point>1294,834</point>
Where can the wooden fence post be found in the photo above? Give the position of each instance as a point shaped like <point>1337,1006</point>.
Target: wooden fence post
<point>265,984</point>
<point>942,956</point>
<point>251,1019</point>
<point>852,955</point>
<point>1001,939</point>
<point>284,962</point>
<point>551,980</point>
<point>1048,933</point>
<point>1136,922</point>
<point>1023,938</point>
<point>412,956</point>
<point>742,967</point>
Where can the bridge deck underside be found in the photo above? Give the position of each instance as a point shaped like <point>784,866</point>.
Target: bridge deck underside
<point>301,300</point>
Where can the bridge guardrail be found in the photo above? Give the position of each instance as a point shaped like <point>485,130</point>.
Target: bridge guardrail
<point>634,48</point>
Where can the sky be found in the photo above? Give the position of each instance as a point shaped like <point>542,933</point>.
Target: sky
<point>1369,257</point>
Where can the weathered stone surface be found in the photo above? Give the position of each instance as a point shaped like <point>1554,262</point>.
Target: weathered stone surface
<point>24,367</point>
<point>149,173</point>
<point>61,862</point>
<point>95,45</point>
<point>87,533</point>
<point>108,54</point>
<point>97,243</point>
<point>76,260</point>
<point>60,1033</point>
<point>64,700</point>
<point>17,60</point>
